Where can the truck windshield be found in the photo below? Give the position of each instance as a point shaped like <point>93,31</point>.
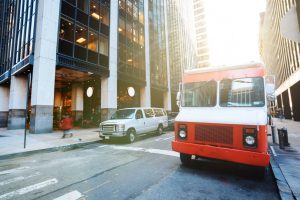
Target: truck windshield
<point>243,92</point>
<point>123,114</point>
<point>200,94</point>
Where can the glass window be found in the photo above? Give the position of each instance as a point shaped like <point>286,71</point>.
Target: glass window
<point>67,9</point>
<point>103,43</point>
<point>66,30</point>
<point>93,41</point>
<point>123,114</point>
<point>104,15</point>
<point>149,113</point>
<point>200,94</point>
<point>95,10</point>
<point>81,36</point>
<point>244,92</point>
<point>139,114</point>
<point>158,112</point>
<point>83,5</point>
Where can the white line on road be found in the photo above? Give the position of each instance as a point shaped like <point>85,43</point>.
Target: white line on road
<point>29,189</point>
<point>102,146</point>
<point>155,151</point>
<point>273,151</point>
<point>20,178</point>
<point>96,187</point>
<point>13,170</point>
<point>74,195</point>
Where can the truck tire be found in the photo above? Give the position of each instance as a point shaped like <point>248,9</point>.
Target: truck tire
<point>185,159</point>
<point>160,129</point>
<point>130,136</point>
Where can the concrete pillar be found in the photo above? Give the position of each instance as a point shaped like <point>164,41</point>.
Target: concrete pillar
<point>43,79</point>
<point>167,95</point>
<point>290,102</point>
<point>17,102</point>
<point>77,101</point>
<point>4,96</point>
<point>109,85</point>
<point>146,91</point>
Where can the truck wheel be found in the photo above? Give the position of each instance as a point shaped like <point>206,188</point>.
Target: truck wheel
<point>185,159</point>
<point>160,130</point>
<point>130,136</point>
<point>261,172</point>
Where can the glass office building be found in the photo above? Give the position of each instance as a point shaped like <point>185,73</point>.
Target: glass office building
<point>81,57</point>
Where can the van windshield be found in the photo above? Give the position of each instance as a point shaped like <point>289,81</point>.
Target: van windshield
<point>242,92</point>
<point>123,114</point>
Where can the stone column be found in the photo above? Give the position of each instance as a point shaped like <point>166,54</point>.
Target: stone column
<point>43,79</point>
<point>109,85</point>
<point>167,95</point>
<point>4,96</point>
<point>146,91</point>
<point>17,102</point>
<point>77,101</point>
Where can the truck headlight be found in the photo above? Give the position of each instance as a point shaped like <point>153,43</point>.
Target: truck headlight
<point>250,137</point>
<point>121,127</point>
<point>182,131</point>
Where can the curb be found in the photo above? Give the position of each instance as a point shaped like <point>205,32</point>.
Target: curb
<point>283,187</point>
<point>46,150</point>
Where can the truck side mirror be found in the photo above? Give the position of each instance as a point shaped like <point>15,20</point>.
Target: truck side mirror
<point>270,87</point>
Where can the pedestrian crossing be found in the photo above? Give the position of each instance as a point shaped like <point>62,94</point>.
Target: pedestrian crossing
<point>11,178</point>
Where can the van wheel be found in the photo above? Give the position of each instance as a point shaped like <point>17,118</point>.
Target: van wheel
<point>130,136</point>
<point>185,159</point>
<point>160,130</point>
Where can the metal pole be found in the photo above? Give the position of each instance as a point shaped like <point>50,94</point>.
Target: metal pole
<point>27,100</point>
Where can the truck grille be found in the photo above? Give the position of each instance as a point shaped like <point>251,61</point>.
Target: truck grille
<point>215,135</point>
<point>108,128</point>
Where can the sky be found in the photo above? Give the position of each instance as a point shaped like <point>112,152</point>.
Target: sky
<point>233,30</point>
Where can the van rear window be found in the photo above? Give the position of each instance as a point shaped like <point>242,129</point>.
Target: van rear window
<point>149,113</point>
<point>158,112</point>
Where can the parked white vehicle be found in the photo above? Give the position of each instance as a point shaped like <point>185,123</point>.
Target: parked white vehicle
<point>132,122</point>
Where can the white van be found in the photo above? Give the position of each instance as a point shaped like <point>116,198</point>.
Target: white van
<point>131,122</point>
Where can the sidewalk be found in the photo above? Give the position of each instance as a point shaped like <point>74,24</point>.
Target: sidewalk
<point>287,162</point>
<point>12,141</point>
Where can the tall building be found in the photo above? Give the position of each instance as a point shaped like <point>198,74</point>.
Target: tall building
<point>280,51</point>
<point>84,56</point>
<point>201,33</point>
<point>181,42</point>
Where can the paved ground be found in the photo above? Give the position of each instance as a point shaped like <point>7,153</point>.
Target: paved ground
<point>147,169</point>
<point>288,159</point>
<point>12,141</point>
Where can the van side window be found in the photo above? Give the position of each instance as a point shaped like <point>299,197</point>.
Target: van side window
<point>158,112</point>
<point>149,113</point>
<point>139,114</point>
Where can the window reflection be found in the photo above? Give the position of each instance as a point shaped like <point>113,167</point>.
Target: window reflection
<point>81,36</point>
<point>66,30</point>
<point>103,43</point>
<point>83,5</point>
<point>104,15</point>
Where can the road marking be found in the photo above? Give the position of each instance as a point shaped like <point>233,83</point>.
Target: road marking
<point>29,189</point>
<point>163,139</point>
<point>13,170</point>
<point>74,195</point>
<point>273,151</point>
<point>96,187</point>
<point>102,146</point>
<point>20,178</point>
<point>155,151</point>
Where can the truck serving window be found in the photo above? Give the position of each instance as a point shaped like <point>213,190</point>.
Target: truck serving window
<point>243,92</point>
<point>200,94</point>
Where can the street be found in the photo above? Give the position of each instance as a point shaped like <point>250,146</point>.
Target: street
<point>146,169</point>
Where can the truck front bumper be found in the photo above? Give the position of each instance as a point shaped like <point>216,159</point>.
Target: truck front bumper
<point>221,153</point>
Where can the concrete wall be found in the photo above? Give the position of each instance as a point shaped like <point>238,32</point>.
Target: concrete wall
<point>43,80</point>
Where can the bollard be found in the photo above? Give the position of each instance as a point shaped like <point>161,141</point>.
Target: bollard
<point>273,134</point>
<point>281,138</point>
<point>285,137</point>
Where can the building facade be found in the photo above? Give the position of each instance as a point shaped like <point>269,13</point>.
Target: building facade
<point>81,57</point>
<point>201,33</point>
<point>280,51</point>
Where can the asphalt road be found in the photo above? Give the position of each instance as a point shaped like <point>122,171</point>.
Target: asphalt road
<point>147,169</point>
